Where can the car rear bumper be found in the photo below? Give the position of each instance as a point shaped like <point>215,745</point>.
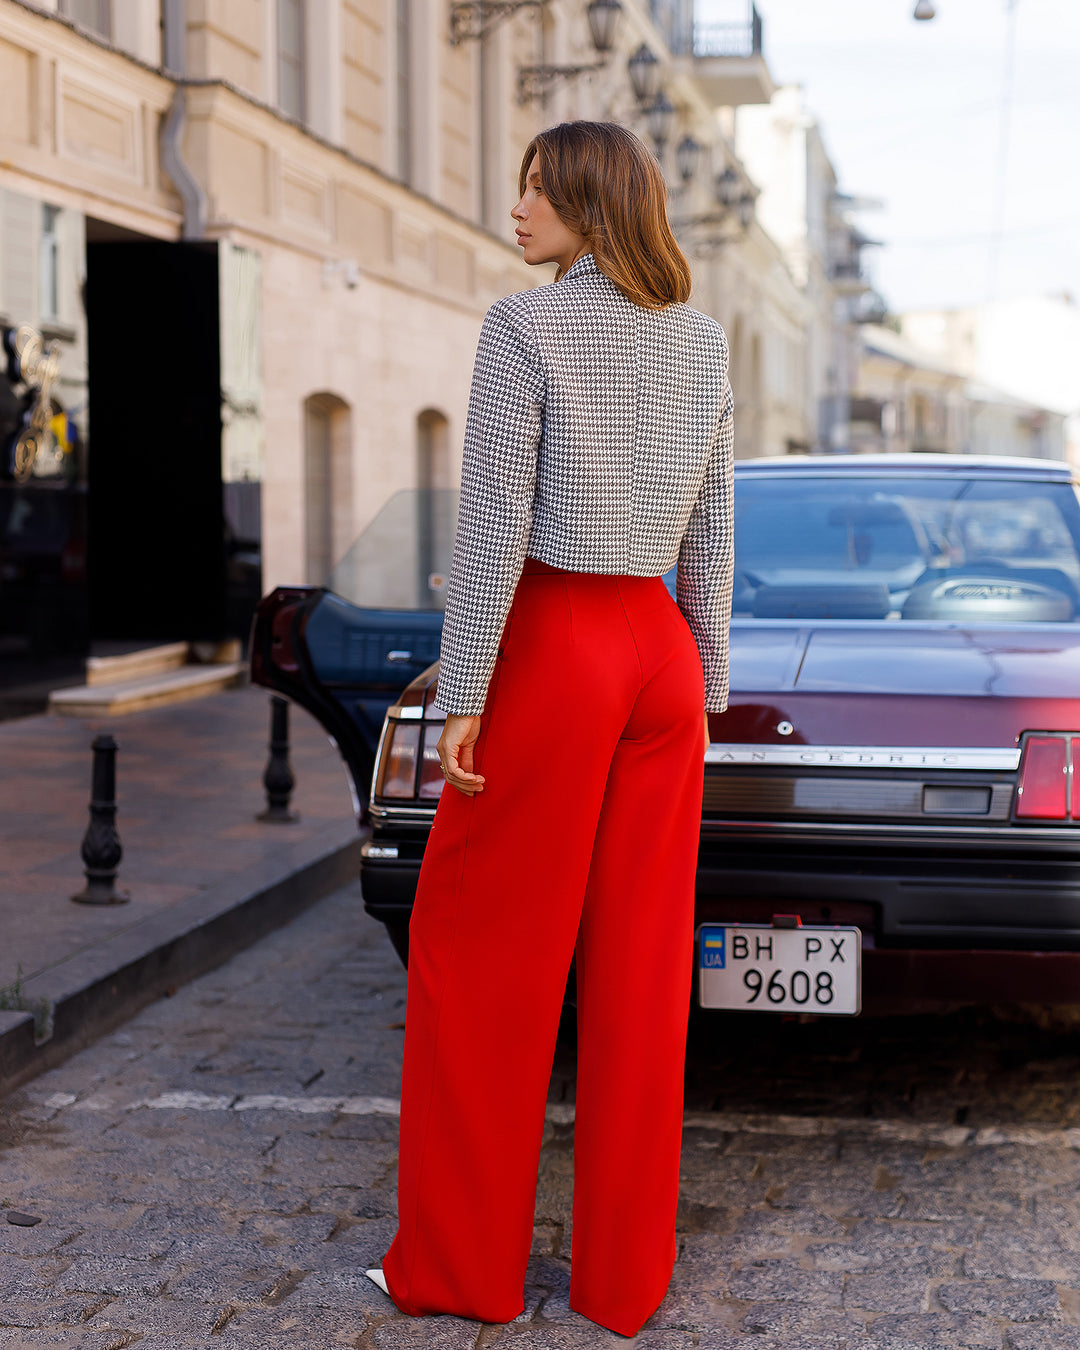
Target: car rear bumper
<point>389,884</point>
<point>937,898</point>
<point>972,931</point>
<point>917,979</point>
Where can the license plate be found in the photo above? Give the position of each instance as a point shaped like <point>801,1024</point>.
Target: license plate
<point>758,968</point>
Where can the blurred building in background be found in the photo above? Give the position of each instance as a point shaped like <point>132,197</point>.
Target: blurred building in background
<point>802,208</point>
<point>907,399</point>
<point>1028,346</point>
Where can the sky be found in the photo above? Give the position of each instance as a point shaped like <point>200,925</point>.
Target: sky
<point>911,114</point>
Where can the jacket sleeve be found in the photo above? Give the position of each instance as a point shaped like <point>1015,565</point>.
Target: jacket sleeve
<point>498,477</point>
<point>707,560</point>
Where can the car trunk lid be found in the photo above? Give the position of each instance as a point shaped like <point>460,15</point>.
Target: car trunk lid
<point>911,660</point>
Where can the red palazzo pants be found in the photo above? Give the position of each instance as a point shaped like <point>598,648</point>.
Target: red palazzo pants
<point>583,840</point>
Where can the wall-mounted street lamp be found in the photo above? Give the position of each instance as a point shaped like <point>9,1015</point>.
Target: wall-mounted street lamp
<point>735,195</point>
<point>727,187</point>
<point>687,154</point>
<point>735,198</point>
<point>536,81</point>
<point>472,19</point>
<point>603,16</point>
<point>644,71</point>
<point>660,113</point>
<point>744,209</point>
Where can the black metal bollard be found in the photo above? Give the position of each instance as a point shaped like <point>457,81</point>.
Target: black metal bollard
<point>101,848</point>
<point>278,778</point>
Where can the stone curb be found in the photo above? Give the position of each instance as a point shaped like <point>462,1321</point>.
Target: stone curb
<point>93,991</point>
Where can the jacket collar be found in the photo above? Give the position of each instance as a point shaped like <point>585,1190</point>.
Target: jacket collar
<point>585,266</point>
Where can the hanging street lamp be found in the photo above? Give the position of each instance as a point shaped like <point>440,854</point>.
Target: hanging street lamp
<point>727,222</point>
<point>727,187</point>
<point>536,81</point>
<point>687,154</point>
<point>644,71</point>
<point>660,115</point>
<point>603,15</point>
<point>471,20</point>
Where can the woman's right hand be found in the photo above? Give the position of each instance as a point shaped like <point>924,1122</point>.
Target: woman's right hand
<point>455,749</point>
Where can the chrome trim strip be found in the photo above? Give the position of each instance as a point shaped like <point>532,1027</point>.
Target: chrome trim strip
<point>831,797</point>
<point>406,812</point>
<point>865,757</point>
<point>1015,833</point>
<point>893,625</point>
<point>370,850</point>
<point>378,763</point>
<point>856,467</point>
<point>399,710</point>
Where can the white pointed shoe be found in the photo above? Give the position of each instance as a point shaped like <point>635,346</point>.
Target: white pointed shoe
<point>376,1277</point>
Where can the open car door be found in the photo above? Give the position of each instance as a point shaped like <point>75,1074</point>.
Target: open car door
<point>345,650</point>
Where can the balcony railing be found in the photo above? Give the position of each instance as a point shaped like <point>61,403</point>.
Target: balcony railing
<point>741,38</point>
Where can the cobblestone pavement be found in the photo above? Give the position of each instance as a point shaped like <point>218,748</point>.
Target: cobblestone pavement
<point>218,1174</point>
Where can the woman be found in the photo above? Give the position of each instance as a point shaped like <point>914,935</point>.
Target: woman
<point>597,454</point>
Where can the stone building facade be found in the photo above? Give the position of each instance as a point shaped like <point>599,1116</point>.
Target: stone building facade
<point>278,224</point>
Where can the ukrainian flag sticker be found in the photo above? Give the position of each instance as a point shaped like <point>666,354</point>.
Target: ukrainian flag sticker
<point>712,948</point>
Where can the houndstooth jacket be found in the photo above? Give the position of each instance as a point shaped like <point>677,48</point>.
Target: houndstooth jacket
<point>598,439</point>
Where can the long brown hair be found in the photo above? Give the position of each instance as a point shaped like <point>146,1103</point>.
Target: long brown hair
<point>604,184</point>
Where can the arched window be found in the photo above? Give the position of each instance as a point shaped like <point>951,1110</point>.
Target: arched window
<point>328,518</point>
<point>432,450</point>
<point>433,523</point>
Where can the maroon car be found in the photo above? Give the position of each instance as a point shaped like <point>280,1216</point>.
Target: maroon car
<point>890,816</point>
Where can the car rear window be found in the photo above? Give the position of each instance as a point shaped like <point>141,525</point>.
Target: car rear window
<point>965,549</point>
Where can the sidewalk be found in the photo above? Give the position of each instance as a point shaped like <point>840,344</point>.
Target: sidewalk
<point>205,878</point>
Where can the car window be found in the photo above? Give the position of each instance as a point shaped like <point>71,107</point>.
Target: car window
<point>968,549</point>
<point>401,559</point>
<point>843,533</point>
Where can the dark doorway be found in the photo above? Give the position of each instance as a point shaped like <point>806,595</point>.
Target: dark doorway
<point>156,535</point>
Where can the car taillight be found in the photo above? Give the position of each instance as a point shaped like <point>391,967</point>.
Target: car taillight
<point>1043,791</point>
<point>1075,793</point>
<point>431,779</point>
<point>397,766</point>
